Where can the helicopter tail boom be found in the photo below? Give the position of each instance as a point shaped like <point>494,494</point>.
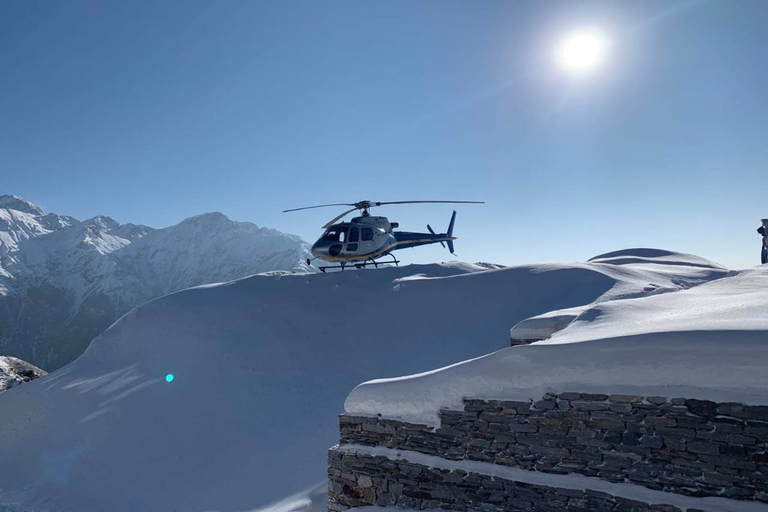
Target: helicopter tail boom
<point>407,240</point>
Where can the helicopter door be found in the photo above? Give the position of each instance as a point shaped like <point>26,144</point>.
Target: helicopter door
<point>367,240</point>
<point>352,241</point>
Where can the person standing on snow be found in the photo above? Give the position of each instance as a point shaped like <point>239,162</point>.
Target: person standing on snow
<point>763,230</point>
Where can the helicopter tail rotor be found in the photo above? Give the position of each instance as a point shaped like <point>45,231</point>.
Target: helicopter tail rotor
<point>433,232</point>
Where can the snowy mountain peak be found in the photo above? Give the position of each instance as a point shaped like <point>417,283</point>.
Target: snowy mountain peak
<point>208,219</point>
<point>54,221</point>
<point>19,204</point>
<point>103,222</point>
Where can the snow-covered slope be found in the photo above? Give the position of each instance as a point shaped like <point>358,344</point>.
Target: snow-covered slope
<point>261,368</point>
<point>63,281</point>
<point>709,342</point>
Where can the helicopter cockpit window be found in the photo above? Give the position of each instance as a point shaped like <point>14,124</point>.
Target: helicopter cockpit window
<point>367,233</point>
<point>335,234</point>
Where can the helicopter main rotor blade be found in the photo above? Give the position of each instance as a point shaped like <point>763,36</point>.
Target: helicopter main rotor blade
<point>333,221</point>
<point>365,205</point>
<point>318,206</point>
<point>360,205</point>
<point>411,202</point>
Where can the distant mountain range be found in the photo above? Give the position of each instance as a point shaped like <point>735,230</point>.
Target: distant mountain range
<point>64,281</point>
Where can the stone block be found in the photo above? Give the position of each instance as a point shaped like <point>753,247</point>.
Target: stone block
<point>620,407</point>
<point>652,442</point>
<point>659,421</point>
<point>586,406</point>
<point>606,425</point>
<point>755,412</point>
<point>701,407</point>
<point>545,405</point>
<point>591,397</point>
<point>625,398</point>
<point>703,447</point>
<point>544,421</point>
<point>684,433</point>
<point>523,427</point>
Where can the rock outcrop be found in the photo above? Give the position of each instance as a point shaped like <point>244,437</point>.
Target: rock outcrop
<point>14,371</point>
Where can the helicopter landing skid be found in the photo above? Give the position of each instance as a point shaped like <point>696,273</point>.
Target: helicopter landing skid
<point>363,264</point>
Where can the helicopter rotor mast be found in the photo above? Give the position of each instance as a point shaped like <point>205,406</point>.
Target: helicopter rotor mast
<point>366,205</point>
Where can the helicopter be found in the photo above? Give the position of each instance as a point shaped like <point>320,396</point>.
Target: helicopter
<point>367,238</point>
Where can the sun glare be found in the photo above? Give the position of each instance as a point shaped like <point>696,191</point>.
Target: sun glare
<point>583,51</point>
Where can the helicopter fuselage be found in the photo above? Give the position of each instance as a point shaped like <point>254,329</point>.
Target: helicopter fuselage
<point>368,238</point>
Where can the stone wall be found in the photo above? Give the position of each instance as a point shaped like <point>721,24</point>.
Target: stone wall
<point>689,447</point>
<point>357,480</point>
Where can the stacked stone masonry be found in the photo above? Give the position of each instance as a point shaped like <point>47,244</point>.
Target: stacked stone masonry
<point>684,446</point>
<point>357,480</point>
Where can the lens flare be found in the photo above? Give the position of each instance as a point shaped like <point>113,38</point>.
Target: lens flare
<point>169,377</point>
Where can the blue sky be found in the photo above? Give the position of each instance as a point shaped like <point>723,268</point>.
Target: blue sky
<point>154,111</point>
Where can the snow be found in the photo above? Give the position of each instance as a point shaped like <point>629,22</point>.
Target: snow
<point>16,203</point>
<point>542,327</point>
<point>123,260</point>
<point>262,366</point>
<point>654,256</point>
<point>63,281</point>
<point>736,303</point>
<point>313,499</point>
<point>707,342</point>
<point>6,378</point>
<point>571,481</point>
<point>14,371</point>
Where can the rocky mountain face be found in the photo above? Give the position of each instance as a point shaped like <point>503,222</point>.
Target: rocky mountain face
<point>14,371</point>
<point>64,281</point>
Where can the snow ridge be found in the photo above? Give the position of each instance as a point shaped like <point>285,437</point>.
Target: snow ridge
<point>704,340</point>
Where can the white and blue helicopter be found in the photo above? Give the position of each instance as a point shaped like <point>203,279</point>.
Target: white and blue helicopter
<point>366,238</point>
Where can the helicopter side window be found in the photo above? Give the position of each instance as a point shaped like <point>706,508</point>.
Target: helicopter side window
<point>367,234</point>
<point>354,234</point>
<point>334,234</point>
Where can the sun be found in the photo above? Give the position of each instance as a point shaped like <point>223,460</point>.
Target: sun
<point>583,51</point>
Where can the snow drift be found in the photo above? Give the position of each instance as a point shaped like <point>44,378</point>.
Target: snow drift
<point>708,343</point>
<point>261,368</point>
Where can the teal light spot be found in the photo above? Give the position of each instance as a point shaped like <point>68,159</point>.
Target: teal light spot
<point>169,377</point>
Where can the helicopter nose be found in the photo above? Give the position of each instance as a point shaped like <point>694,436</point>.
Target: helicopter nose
<point>325,249</point>
<point>320,249</point>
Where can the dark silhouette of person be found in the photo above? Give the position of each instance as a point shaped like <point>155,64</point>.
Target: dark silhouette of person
<point>763,230</point>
